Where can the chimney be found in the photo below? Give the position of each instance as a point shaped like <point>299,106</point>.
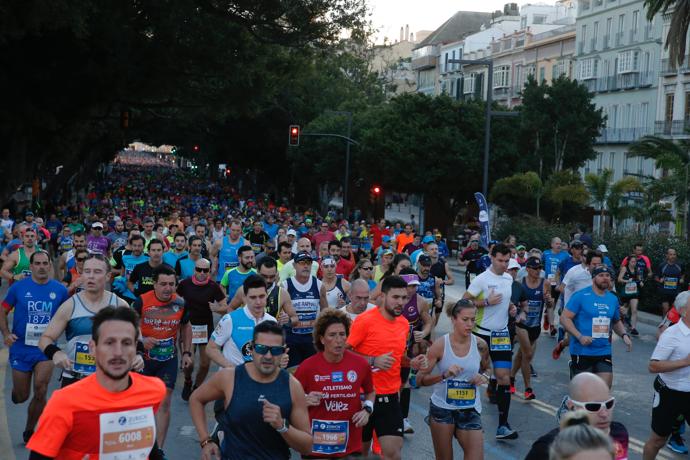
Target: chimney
<point>401,33</point>
<point>407,32</point>
<point>412,37</point>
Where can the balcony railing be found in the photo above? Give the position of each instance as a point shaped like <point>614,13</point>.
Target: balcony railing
<point>622,135</point>
<point>424,62</point>
<point>622,82</point>
<point>672,127</point>
<point>581,48</point>
<point>669,68</point>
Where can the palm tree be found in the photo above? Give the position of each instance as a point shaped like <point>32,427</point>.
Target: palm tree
<point>672,157</point>
<point>678,31</point>
<point>608,196</point>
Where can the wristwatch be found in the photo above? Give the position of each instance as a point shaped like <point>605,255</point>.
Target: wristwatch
<point>368,406</point>
<point>285,427</point>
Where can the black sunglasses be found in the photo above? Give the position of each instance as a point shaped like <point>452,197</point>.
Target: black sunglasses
<point>263,349</point>
<point>81,259</point>
<point>202,270</point>
<point>367,268</point>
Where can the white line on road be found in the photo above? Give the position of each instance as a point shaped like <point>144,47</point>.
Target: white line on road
<point>5,440</point>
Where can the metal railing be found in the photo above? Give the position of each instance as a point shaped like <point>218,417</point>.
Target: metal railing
<point>625,81</point>
<point>622,135</point>
<point>672,127</point>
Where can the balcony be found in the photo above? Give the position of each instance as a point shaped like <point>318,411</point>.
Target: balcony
<point>424,62</point>
<point>633,36</point>
<point>648,32</point>
<point>621,135</point>
<point>672,127</point>
<point>607,39</point>
<point>626,81</point>
<point>619,38</point>
<point>669,68</point>
<point>502,93</point>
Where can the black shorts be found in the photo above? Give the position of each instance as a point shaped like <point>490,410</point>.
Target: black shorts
<point>555,293</point>
<point>164,370</point>
<point>501,359</point>
<point>533,332</point>
<point>387,418</point>
<point>593,364</point>
<point>667,406</point>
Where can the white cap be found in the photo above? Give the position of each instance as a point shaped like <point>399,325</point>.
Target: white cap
<point>513,264</point>
<point>602,248</point>
<point>291,232</point>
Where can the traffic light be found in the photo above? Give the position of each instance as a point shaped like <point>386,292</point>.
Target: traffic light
<point>294,135</point>
<point>376,189</point>
<point>196,148</point>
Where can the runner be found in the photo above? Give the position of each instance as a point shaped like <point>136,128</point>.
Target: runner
<point>257,237</point>
<point>234,277</point>
<point>670,278</point>
<point>491,292</point>
<point>140,280</point>
<point>284,254</point>
<point>265,407</point>
<point>118,237</point>
<point>380,335</point>
<point>430,287</point>
<point>629,293</point>
<point>224,254</point>
<point>589,316</point>
<point>304,290</point>
<point>34,299</point>
<point>202,296</point>
<point>73,279</point>
<point>16,265</point>
<point>289,268</point>
<point>454,407</point>
<point>538,293</point>
<point>359,299</point>
<point>164,317</point>
<point>125,264</point>
<point>552,259</point>
<point>66,261</point>
<point>177,251</point>
<point>185,265</point>
<point>343,267</point>
<point>74,319</point>
<point>333,380</point>
<point>96,243</point>
<point>364,270</point>
<point>333,286</point>
<point>386,260</point>
<point>110,412</point>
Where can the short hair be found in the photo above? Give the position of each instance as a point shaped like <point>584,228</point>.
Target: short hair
<point>162,269</point>
<point>327,318</point>
<point>33,256</point>
<point>192,239</point>
<point>134,238</point>
<point>408,271</point>
<point>345,239</point>
<point>235,222</point>
<point>79,233</point>
<point>500,248</point>
<point>243,249</point>
<point>392,282</point>
<point>591,254</point>
<point>199,224</point>
<point>268,327</point>
<point>454,309</point>
<point>284,244</point>
<point>253,281</point>
<point>268,262</point>
<point>156,241</point>
<point>180,234</point>
<point>114,313</point>
<point>334,243</point>
<point>577,438</point>
<point>638,245</point>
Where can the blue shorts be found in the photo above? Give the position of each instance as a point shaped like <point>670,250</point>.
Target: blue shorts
<point>24,358</point>
<point>164,370</point>
<point>463,419</point>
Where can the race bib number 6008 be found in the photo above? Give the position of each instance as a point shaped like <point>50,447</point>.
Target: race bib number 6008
<point>127,435</point>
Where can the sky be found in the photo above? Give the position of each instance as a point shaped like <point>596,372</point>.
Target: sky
<point>389,15</point>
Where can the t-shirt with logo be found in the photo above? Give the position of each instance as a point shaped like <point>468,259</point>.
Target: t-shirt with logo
<point>161,320</point>
<point>333,431</point>
<point>372,334</point>
<point>595,316</point>
<point>142,278</point>
<point>493,317</point>
<point>234,334</point>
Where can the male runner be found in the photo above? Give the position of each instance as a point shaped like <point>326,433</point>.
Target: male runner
<point>34,299</point>
<point>224,254</point>
<point>359,299</point>
<point>66,261</point>
<point>185,265</point>
<point>140,280</point>
<point>234,277</point>
<point>177,251</point>
<point>125,264</point>
<point>670,278</point>
<point>96,243</point>
<point>16,265</point>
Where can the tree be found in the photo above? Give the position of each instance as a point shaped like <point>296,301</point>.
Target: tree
<point>609,196</point>
<point>678,30</point>
<point>567,194</point>
<point>518,193</point>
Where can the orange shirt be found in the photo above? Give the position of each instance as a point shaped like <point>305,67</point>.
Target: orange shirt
<point>161,320</point>
<point>402,240</point>
<point>85,418</point>
<point>372,334</point>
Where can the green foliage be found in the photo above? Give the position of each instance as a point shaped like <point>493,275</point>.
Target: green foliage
<point>679,11</point>
<point>517,193</point>
<point>567,194</point>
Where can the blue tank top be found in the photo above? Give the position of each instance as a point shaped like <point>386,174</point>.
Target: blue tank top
<point>306,305</point>
<point>129,261</point>
<point>535,303</point>
<point>247,436</point>
<point>227,256</point>
<point>426,288</point>
<point>242,332</point>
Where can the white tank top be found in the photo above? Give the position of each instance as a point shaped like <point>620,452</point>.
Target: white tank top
<point>457,393</point>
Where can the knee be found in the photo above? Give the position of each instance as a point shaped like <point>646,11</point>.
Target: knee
<point>19,395</point>
<point>527,354</point>
<point>40,392</point>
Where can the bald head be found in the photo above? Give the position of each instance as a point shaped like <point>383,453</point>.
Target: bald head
<point>359,296</point>
<point>202,263</point>
<point>303,244</point>
<point>587,387</point>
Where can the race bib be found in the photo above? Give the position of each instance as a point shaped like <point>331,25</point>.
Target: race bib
<point>305,325</point>
<point>127,435</point>
<point>670,283</point>
<point>631,287</point>
<point>600,327</point>
<point>500,340</point>
<point>534,308</point>
<point>329,436</point>
<point>32,333</point>
<point>84,363</point>
<point>164,351</point>
<point>199,334</point>
<point>26,273</point>
<point>229,265</point>
<point>460,393</point>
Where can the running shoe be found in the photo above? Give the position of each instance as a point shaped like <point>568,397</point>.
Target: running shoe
<point>676,444</point>
<point>512,389</point>
<point>187,390</point>
<point>557,350</point>
<point>529,394</point>
<point>552,331</point>
<point>546,323</point>
<point>532,372</point>
<point>505,432</point>
<point>407,427</point>
<point>634,332</point>
<point>27,435</point>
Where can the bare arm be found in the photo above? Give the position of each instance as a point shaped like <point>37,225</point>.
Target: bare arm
<point>8,265</point>
<point>298,435</point>
<point>216,355</point>
<point>220,385</point>
<point>450,280</point>
<point>424,308</point>
<point>567,323</point>
<point>656,367</point>
<point>237,300</point>
<point>424,377</point>
<point>286,305</point>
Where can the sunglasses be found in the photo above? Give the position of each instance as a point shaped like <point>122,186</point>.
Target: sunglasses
<point>595,406</point>
<point>202,270</point>
<point>367,268</point>
<point>81,259</point>
<point>263,349</point>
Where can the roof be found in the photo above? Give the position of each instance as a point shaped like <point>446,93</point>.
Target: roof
<point>458,26</point>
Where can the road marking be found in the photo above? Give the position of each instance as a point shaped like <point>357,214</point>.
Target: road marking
<point>5,439</point>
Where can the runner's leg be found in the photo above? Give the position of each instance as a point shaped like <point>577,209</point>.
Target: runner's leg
<point>43,371</point>
<point>442,437</point>
<point>472,443</point>
<point>204,364</point>
<point>163,418</point>
<point>21,386</point>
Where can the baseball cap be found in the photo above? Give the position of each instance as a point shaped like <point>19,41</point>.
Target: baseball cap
<point>302,256</point>
<point>29,213</point>
<point>307,221</point>
<point>576,243</point>
<point>599,270</point>
<point>328,260</point>
<point>428,239</point>
<point>386,239</point>
<point>424,260</point>
<point>602,248</point>
<point>387,252</point>
<point>512,264</point>
<point>97,225</point>
<point>533,262</point>
<point>411,279</point>
<point>520,247</point>
<point>291,232</point>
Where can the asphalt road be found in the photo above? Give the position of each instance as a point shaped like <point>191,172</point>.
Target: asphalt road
<point>632,388</point>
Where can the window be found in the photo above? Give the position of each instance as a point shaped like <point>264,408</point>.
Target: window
<point>595,30</point>
<point>468,83</point>
<point>600,161</point>
<point>523,22</point>
<point>626,161</point>
<point>542,74</point>
<point>518,76</point>
<point>640,165</point>
<point>445,67</point>
<point>453,66</point>
<point>621,22</point>
<point>561,68</point>
<point>628,61</point>
<point>612,160</point>
<point>686,115</point>
<point>531,70</point>
<point>608,26</point>
<point>426,79</point>
<point>588,69</point>
<point>539,19</point>
<point>635,20</point>
<point>669,107</point>
<point>613,116</point>
<point>584,33</point>
<point>502,76</point>
<point>644,113</point>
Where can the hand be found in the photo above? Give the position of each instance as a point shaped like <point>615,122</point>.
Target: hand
<point>418,336</point>
<point>187,361</point>
<point>283,318</point>
<point>150,342</point>
<point>210,451</point>
<point>360,418</point>
<point>479,379</point>
<point>314,398</point>
<point>512,310</point>
<point>585,340</point>
<point>522,317</point>
<point>138,363</point>
<point>285,358</point>
<point>628,342</point>
<point>341,301</point>
<point>60,359</point>
<point>453,371</point>
<point>271,414</point>
<point>384,361</point>
<point>10,339</point>
<point>419,362</point>
<point>213,306</point>
<point>494,298</point>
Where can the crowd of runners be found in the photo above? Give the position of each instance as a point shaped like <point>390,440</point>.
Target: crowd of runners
<point>309,333</point>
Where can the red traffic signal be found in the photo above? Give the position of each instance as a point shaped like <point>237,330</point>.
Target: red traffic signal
<point>294,135</point>
<point>376,189</point>
<point>196,147</point>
